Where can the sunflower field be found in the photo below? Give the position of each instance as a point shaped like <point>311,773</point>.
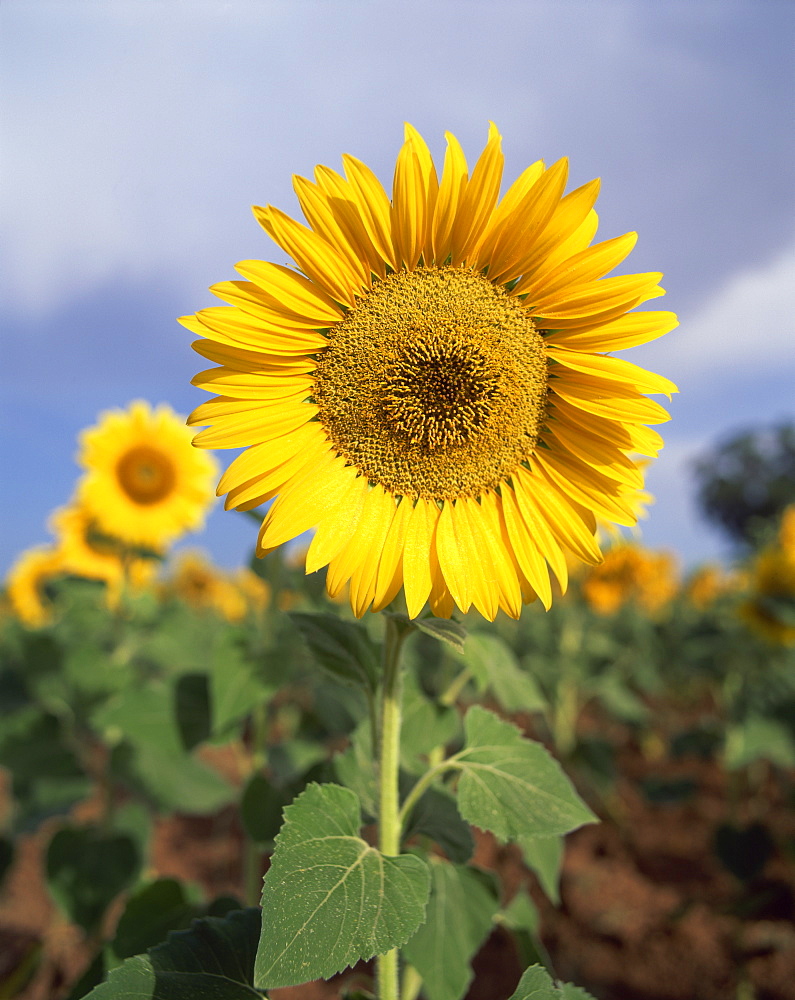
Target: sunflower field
<point>546,765</point>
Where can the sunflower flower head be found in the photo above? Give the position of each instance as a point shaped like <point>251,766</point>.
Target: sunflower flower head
<point>631,574</point>
<point>144,484</point>
<point>770,609</point>
<point>88,553</point>
<point>428,387</point>
<point>26,585</point>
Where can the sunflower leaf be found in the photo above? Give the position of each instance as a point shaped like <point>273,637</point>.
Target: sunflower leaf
<point>329,898</point>
<point>536,984</point>
<point>494,665</point>
<point>461,908</point>
<point>214,958</point>
<point>342,648</point>
<point>511,785</point>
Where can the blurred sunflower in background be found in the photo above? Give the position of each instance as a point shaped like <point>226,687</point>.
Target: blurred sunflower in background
<point>87,553</point>
<point>429,389</point>
<point>770,609</point>
<point>202,585</point>
<point>144,484</point>
<point>26,584</point>
<point>631,574</point>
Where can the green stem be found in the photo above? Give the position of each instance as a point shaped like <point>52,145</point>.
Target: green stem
<point>450,696</point>
<point>389,799</point>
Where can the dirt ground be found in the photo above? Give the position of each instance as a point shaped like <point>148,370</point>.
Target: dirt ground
<point>648,911</point>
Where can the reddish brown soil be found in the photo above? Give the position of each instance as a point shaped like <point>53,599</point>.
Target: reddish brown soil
<point>647,911</point>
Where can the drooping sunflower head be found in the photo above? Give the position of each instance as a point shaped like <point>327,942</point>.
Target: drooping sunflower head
<point>86,552</point>
<point>428,388</point>
<point>144,483</point>
<point>26,585</point>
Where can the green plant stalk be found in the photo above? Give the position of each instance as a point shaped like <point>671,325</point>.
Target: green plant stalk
<point>389,801</point>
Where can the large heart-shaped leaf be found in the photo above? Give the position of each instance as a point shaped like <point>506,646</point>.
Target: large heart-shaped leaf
<point>329,898</point>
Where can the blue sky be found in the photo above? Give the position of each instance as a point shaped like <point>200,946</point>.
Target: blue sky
<point>136,136</point>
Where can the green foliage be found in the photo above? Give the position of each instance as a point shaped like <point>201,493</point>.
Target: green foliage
<point>129,706</point>
<point>461,908</point>
<point>144,719</point>
<point>511,785</point>
<point>329,898</point>
<point>545,856</point>
<point>87,869</point>
<point>342,648</point>
<point>536,984</point>
<point>214,960</point>
<point>436,816</point>
<point>496,668</point>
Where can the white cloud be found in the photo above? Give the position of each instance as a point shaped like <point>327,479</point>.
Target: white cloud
<point>748,325</point>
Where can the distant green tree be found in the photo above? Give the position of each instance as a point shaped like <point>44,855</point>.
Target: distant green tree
<point>747,480</point>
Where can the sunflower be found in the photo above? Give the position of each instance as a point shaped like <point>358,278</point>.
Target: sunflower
<point>770,610</point>
<point>26,583</point>
<point>87,553</point>
<point>428,387</point>
<point>631,574</point>
<point>144,484</point>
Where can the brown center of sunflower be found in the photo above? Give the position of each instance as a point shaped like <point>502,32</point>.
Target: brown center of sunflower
<point>434,384</point>
<point>145,475</point>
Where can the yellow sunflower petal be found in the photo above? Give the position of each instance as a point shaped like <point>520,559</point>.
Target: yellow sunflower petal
<point>421,522</point>
<point>530,218</point>
<point>334,531</point>
<point>364,549</point>
<point>409,205</point>
<point>365,576</point>
<point>628,331</point>
<point>478,200</point>
<point>609,400</point>
<point>253,385</point>
<point>345,207</point>
<point>451,191</point>
<point>242,360</point>
<point>389,578</point>
<point>290,292</point>
<point>318,259</point>
<point>303,503</point>
<point>588,265</point>
<point>593,298</point>
<point>614,370</point>
<point>261,458</point>
<point>261,487</point>
<point>373,205</point>
<point>456,549</point>
<point>630,437</point>
<point>249,425</point>
<point>530,560</point>
<point>319,212</point>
